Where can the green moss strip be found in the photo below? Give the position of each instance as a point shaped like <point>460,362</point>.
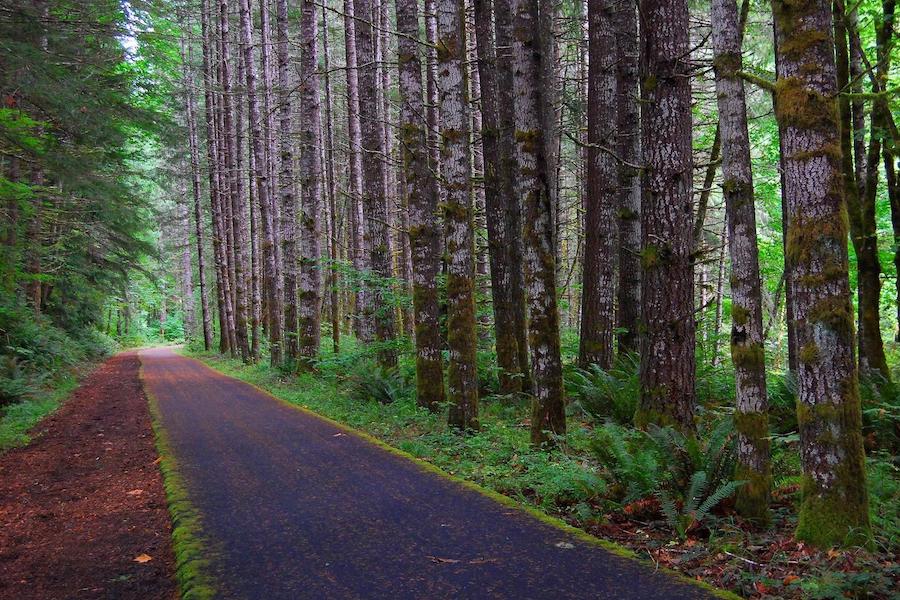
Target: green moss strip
<point>192,568</point>
<point>559,524</point>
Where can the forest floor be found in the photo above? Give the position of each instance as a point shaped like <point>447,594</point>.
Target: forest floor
<point>82,507</point>
<point>294,505</point>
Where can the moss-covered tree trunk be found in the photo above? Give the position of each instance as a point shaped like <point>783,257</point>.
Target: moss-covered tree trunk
<point>835,503</point>
<point>861,215</point>
<point>548,404</point>
<point>747,352</point>
<point>422,199</point>
<point>628,142</point>
<point>598,310</point>
<point>375,189</point>
<point>667,286</point>
<point>496,203</point>
<point>310,284</point>
<point>456,172</point>
<point>509,166</point>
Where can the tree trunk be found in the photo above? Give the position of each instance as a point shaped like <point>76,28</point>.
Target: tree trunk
<point>747,350</point>
<point>334,270</point>
<point>191,115</point>
<point>861,218</point>
<point>310,294</point>
<point>548,404</point>
<point>239,237</point>
<point>375,192</point>
<point>275,291</point>
<point>629,204</point>
<point>457,208</point>
<point>362,320</point>
<point>835,502</point>
<point>511,201</point>
<point>598,317</point>
<point>667,286</point>
<point>496,198</point>
<point>422,198</point>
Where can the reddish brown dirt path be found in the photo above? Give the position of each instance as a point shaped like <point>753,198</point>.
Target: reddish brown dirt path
<point>85,498</point>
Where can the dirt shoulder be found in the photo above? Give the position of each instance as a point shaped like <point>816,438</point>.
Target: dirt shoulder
<point>82,507</point>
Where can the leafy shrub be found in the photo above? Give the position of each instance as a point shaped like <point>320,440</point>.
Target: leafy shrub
<point>631,460</point>
<point>711,450</point>
<point>609,394</point>
<point>373,383</point>
<point>14,384</point>
<point>684,513</point>
<point>689,474</point>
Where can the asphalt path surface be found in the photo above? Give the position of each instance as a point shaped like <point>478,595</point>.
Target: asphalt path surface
<point>295,507</point>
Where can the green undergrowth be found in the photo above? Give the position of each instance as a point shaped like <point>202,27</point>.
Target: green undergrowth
<point>17,419</point>
<point>41,363</point>
<point>192,567</point>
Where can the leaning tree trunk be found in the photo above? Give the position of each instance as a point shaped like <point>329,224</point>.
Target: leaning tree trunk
<point>310,292</point>
<point>667,286</point>
<point>274,291</point>
<point>456,170</point>
<point>422,198</point>
<point>835,501</point>
<point>598,312</point>
<point>496,196</point>
<point>751,418</point>
<point>628,138</point>
<point>548,406</point>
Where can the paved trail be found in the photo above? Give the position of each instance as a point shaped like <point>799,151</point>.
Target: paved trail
<point>296,508</point>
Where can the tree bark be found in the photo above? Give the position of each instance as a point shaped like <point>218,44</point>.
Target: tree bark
<point>835,503</point>
<point>548,405</point>
<point>872,360</point>
<point>375,192</point>
<point>334,270</point>
<point>667,286</point>
<point>310,289</point>
<point>747,350</point>
<point>629,204</point>
<point>190,109</point>
<point>362,320</point>
<point>239,236</point>
<point>598,316</point>
<point>275,291</point>
<point>509,181</point>
<point>496,198</point>
<point>456,171</point>
<point>422,198</point>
